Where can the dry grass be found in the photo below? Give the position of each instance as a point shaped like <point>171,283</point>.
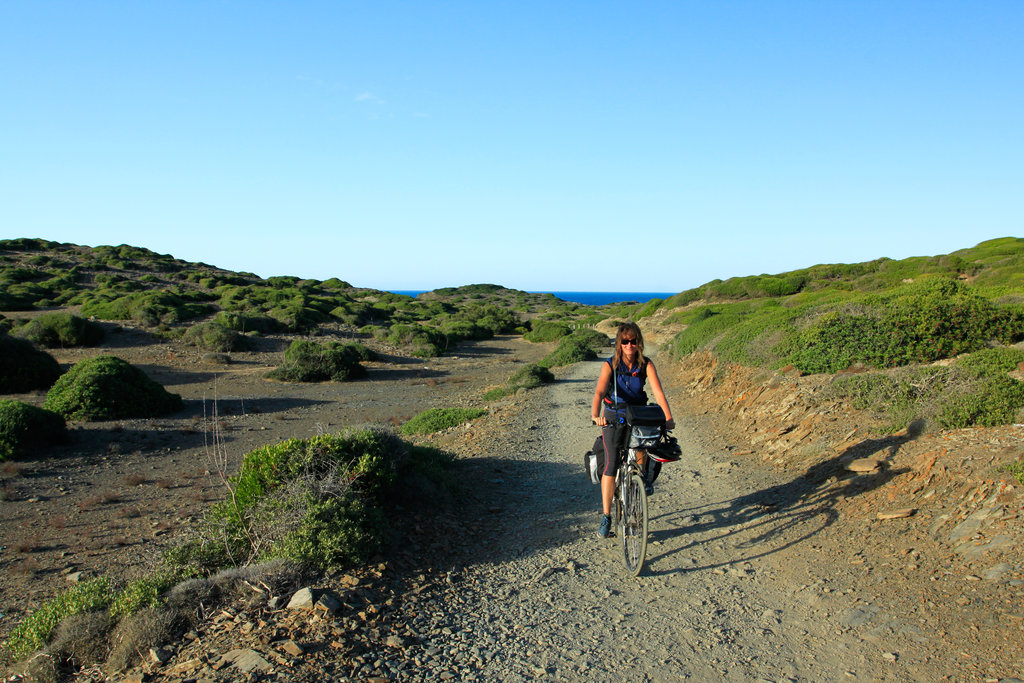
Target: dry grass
<point>134,479</point>
<point>164,483</point>
<point>58,522</point>
<point>129,512</point>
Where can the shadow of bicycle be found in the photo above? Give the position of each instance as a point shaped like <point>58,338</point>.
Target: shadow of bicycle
<point>779,517</point>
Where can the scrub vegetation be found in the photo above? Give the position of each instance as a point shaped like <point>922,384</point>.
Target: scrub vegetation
<point>167,295</point>
<point>892,319</point>
<point>108,388</point>
<point>24,427</point>
<point>318,504</point>
<point>439,419</point>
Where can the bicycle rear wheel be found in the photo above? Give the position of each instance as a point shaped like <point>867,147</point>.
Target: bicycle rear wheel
<point>633,524</point>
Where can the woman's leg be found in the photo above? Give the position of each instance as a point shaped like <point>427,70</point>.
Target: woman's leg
<point>611,436</point>
<point>607,492</point>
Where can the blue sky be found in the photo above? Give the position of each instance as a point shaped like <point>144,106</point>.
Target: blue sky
<point>642,146</point>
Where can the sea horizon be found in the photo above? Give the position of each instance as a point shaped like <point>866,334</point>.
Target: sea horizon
<point>584,298</point>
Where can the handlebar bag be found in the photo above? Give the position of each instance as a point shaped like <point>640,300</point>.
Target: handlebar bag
<point>645,416</point>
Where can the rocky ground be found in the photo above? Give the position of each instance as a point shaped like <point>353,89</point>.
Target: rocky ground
<point>770,558</point>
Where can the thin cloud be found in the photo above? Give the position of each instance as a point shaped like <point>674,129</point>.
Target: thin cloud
<point>368,97</point>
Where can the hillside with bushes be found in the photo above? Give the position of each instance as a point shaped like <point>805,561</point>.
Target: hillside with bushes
<point>212,307</point>
<point>936,336</point>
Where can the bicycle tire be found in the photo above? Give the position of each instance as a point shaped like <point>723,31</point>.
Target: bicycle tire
<point>633,524</point>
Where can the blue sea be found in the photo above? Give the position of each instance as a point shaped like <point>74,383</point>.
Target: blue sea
<point>586,298</point>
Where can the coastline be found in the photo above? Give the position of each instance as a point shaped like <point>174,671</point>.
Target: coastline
<point>583,298</point>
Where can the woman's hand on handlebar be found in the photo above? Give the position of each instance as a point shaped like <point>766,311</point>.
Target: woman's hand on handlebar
<point>600,421</point>
<point>670,425</point>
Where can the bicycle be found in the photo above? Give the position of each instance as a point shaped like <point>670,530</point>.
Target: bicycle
<point>630,503</point>
<point>648,447</point>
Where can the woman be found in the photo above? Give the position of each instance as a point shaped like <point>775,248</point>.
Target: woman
<point>632,370</point>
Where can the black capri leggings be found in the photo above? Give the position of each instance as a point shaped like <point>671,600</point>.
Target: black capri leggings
<point>613,435</point>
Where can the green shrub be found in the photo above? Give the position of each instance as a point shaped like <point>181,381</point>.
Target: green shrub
<point>991,362</point>
<point>213,336</point>
<point>579,346</point>
<point>24,427</point>
<point>976,391</point>
<point>32,633</point>
<point>986,403</point>
<point>317,501</point>
<point>918,323</point>
<point>547,331</point>
<point>308,361</point>
<point>61,330</point>
<point>108,388</point>
<point>1017,470</point>
<point>527,377</point>
<point>495,319</point>
<point>422,341</point>
<point>247,322</point>
<point>146,591</point>
<point>23,367</point>
<point>438,419</point>
<point>146,308</point>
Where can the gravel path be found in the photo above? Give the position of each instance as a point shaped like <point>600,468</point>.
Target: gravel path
<point>532,592</point>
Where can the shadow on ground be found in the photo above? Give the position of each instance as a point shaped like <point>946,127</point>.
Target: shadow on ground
<point>779,517</point>
<point>505,509</point>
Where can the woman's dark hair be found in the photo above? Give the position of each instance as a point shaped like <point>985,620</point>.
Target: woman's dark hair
<point>634,330</point>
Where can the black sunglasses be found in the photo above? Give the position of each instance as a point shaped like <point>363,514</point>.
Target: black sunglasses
<point>629,342</point>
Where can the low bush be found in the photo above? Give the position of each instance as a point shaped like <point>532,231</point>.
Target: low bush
<point>976,391</point>
<point>918,323</point>
<point>247,322</point>
<point>547,331</point>
<point>23,367</point>
<point>422,342</point>
<point>527,377</point>
<point>438,419</point>
<point>146,591</point>
<point>24,427</point>
<point>61,330</point>
<point>308,361</point>
<point>108,388</point>
<point>146,308</point>
<point>32,633</point>
<point>579,346</point>
<point>319,502</point>
<point>213,336</point>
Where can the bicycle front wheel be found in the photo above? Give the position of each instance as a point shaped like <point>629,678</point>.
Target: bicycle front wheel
<point>633,524</point>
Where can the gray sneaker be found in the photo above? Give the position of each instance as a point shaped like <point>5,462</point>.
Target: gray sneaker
<point>606,527</point>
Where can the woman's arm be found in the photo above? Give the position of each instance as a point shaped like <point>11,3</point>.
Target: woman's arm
<point>659,395</point>
<point>596,414</point>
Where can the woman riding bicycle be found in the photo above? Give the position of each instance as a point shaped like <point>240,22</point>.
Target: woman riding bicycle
<point>632,370</point>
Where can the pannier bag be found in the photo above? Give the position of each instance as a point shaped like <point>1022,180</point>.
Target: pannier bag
<point>593,461</point>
